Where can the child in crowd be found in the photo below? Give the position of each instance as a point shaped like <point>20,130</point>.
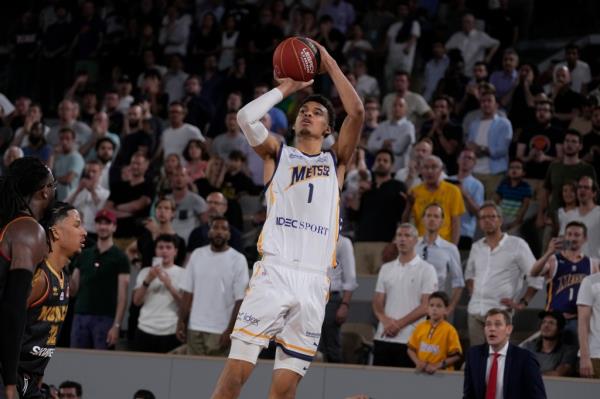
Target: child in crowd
<point>434,343</point>
<point>514,195</point>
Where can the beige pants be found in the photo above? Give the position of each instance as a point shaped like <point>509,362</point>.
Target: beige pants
<point>368,256</point>
<point>476,335</point>
<point>490,183</point>
<point>203,343</point>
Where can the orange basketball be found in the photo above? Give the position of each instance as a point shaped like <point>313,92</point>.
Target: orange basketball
<point>296,58</point>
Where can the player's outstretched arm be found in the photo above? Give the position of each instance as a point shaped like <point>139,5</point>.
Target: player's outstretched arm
<point>250,115</point>
<point>355,110</point>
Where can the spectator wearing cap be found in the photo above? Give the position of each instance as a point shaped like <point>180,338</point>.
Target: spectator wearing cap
<point>554,356</point>
<point>99,281</point>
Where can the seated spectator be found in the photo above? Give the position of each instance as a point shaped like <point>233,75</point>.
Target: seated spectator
<point>514,196</point>
<point>505,79</point>
<point>38,147</point>
<point>567,103</point>
<point>193,154</point>
<point>372,112</point>
<point>213,179</point>
<point>434,344</point>
<point>124,88</point>
<point>377,210</point>
<point>435,69</point>
<point>233,103</point>
<point>435,190</point>
<point>416,106</point>
<point>446,136</point>
<point>70,390</point>
<point>190,206</point>
<point>89,197</point>
<point>157,292</point>
<point>554,356</point>
<point>175,31</point>
<point>583,122</point>
<point>588,213</point>
<point>579,70</point>
<point>356,47</point>
<point>230,140</point>
<point>366,85</point>
<point>176,136</point>
<point>217,205</point>
<point>105,150</point>
<point>130,201</point>
<point>111,107</point>
<point>468,107</point>
<point>489,136</point>
<point>67,119</point>
<point>454,82</point>
<point>214,285</point>
<point>68,165</point>
<point>397,134</point>
<point>411,174</point>
<point>400,301</point>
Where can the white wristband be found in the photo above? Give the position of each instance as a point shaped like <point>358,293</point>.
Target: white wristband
<point>249,116</point>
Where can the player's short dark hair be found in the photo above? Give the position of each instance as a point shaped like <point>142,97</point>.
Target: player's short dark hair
<point>503,312</point>
<point>168,238</point>
<point>386,151</point>
<point>440,295</point>
<point>577,223</point>
<point>72,384</point>
<point>55,213</point>
<point>324,101</point>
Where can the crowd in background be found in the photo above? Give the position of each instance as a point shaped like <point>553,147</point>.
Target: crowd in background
<point>133,106</point>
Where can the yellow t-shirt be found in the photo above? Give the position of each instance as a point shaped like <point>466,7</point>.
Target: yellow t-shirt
<point>448,196</point>
<point>434,344</point>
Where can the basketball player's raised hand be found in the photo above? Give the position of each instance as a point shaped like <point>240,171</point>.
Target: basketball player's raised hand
<point>325,56</point>
<point>289,86</point>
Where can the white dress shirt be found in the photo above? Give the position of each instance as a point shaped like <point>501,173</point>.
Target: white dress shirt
<point>501,363</point>
<point>444,256</point>
<point>472,46</point>
<point>343,277</point>
<point>499,273</point>
<point>401,133</point>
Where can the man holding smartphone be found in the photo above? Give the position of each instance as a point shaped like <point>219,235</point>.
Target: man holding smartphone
<point>564,266</point>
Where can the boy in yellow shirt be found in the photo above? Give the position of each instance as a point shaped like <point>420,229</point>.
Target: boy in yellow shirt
<point>434,343</point>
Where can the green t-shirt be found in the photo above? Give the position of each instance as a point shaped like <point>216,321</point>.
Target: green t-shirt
<point>99,280</point>
<point>558,174</point>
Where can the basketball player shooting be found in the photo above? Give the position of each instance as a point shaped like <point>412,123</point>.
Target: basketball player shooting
<point>288,291</point>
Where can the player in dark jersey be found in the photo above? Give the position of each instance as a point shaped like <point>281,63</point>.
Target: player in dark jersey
<point>26,190</point>
<point>49,299</point>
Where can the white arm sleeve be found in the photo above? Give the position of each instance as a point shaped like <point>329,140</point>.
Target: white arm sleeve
<point>249,116</point>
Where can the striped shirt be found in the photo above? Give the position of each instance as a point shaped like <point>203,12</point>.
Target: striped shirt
<point>512,197</point>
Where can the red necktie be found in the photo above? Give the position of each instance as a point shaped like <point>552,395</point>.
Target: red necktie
<point>490,392</point>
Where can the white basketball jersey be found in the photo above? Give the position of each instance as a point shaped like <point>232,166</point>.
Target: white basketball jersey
<point>302,222</point>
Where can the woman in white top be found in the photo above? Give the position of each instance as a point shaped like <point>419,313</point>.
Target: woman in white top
<point>569,202</point>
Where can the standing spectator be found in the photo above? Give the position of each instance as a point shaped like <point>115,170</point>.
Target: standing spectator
<point>105,149</point>
<point>514,196</point>
<point>357,47</point>
<point>446,136</point>
<point>137,139</point>
<point>100,124</point>
<point>115,116</point>
<point>588,309</point>
<point>88,39</point>
<point>372,112</point>
<point>568,169</point>
<point>397,134</point>
<point>124,88</point>
<point>567,103</point>
<point>540,144</point>
<point>156,291</point>
<point>496,368</point>
<point>178,134</point>
<point>473,44</point>
<point>434,344</point>
<point>442,255</point>
<point>213,288</point>
<point>89,197</point>
<point>472,193</point>
<point>366,85</point>
<point>200,110</point>
<point>175,31</point>
<point>410,175</point>
<point>569,202</point>
<point>67,118</point>
<point>554,356</point>
<point>343,283</point>
<point>22,134</point>
<point>520,100</point>
<point>377,209</point>
<point>435,69</point>
<point>190,206</point>
<point>68,165</point>
<point>416,106</point>
<point>564,266</point>
<point>591,141</point>
<point>588,213</point>
<point>495,270</point>
<point>38,147</point>
<point>505,79</point>
<point>489,137</point>
<point>435,190</point>
<point>175,78</point>
<point>100,280</point>
<point>130,200</point>
<point>401,293</point>
<point>470,98</point>
<point>230,140</point>
<point>401,42</point>
<point>579,70</point>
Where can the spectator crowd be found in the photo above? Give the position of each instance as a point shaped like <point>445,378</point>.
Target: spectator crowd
<point>476,175</point>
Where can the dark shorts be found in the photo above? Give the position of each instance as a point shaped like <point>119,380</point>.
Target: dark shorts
<point>28,387</point>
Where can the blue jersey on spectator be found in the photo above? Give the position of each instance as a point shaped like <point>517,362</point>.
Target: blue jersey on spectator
<point>512,197</point>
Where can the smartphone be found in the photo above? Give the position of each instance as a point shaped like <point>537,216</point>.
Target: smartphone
<point>157,261</point>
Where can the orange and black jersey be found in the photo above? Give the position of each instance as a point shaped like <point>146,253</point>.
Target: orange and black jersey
<point>45,317</point>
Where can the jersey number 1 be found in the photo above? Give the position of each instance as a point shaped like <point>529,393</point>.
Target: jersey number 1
<point>311,187</point>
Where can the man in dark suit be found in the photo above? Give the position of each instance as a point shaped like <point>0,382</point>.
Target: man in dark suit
<point>498,369</point>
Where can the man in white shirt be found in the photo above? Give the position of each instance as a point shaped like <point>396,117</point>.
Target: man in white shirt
<point>580,71</point>
<point>105,149</point>
<point>67,119</point>
<point>495,270</point>
<point>417,109</point>
<point>366,85</point>
<point>588,311</point>
<point>442,254</point>
<point>473,44</point>
<point>400,301</point>
<point>343,283</point>
<point>213,288</point>
<point>89,197</point>
<point>396,134</point>
<point>588,212</point>
<point>178,134</point>
<point>190,206</point>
